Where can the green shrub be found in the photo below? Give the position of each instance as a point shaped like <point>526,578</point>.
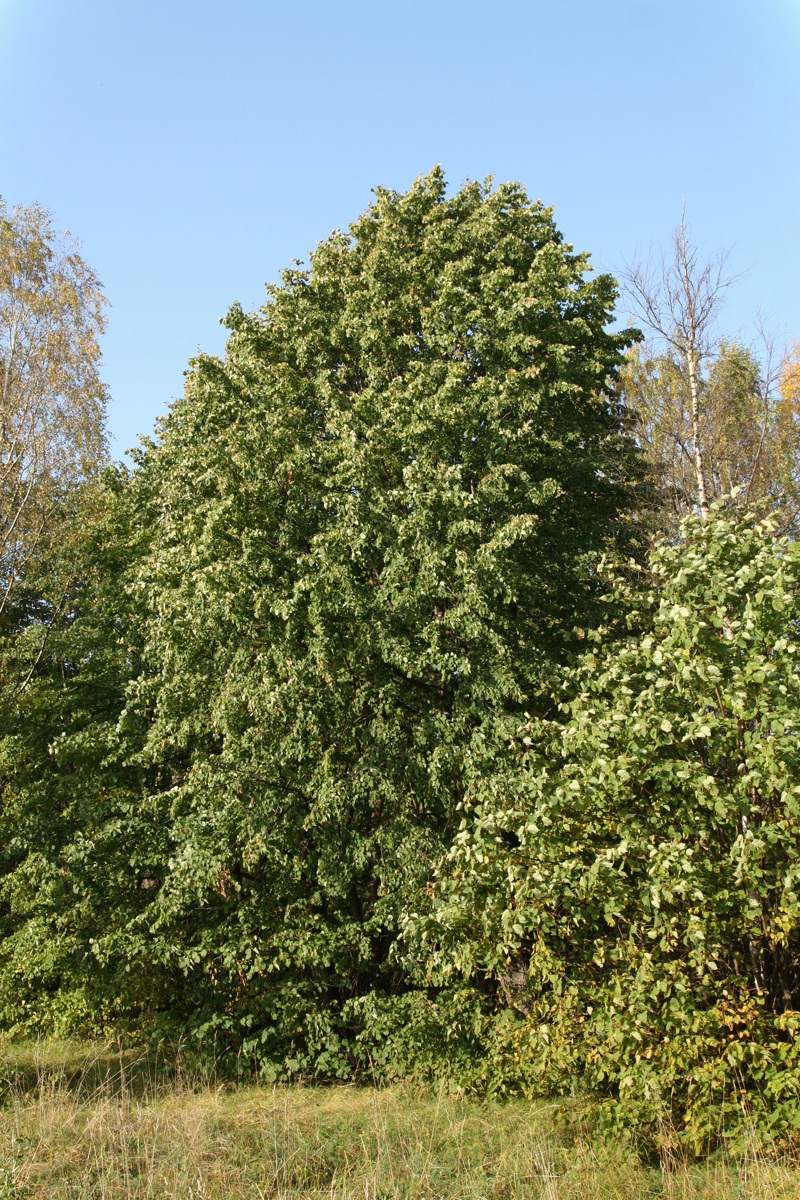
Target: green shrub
<point>629,880</point>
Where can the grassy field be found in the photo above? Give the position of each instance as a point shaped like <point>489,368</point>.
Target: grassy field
<point>90,1121</point>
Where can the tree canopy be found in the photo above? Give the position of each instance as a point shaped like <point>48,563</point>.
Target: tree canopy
<point>52,418</point>
<point>375,518</point>
<point>363,727</point>
<point>370,526</point>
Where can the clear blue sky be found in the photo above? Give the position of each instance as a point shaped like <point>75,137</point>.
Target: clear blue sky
<point>196,148</point>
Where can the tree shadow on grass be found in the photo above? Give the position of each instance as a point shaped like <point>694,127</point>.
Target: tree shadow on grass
<point>91,1069</point>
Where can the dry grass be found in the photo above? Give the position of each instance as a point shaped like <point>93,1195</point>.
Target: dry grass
<point>94,1122</point>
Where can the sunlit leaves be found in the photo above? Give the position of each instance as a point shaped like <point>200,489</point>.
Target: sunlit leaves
<point>52,402</point>
<point>375,519</point>
<point>650,905</point>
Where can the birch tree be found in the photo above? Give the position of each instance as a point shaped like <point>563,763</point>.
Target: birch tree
<point>52,400</point>
<point>747,428</point>
<point>677,297</point>
<point>715,415</point>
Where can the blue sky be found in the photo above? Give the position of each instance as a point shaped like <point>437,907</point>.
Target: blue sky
<point>196,148</point>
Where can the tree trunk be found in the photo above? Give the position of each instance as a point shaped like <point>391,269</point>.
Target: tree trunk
<point>699,470</point>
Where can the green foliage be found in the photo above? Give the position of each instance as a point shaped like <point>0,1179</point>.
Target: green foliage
<point>630,881</point>
<point>342,750</point>
<point>75,839</point>
<point>52,414</point>
<point>373,521</point>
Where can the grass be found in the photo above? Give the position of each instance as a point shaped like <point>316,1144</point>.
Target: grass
<point>96,1122</point>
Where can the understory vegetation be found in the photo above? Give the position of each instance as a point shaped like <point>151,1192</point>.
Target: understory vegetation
<point>420,709</point>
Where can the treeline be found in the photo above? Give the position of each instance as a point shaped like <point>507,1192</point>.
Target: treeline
<point>424,700</point>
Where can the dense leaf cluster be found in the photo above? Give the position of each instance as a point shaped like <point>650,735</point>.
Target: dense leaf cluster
<point>645,924</point>
<point>350,751</point>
